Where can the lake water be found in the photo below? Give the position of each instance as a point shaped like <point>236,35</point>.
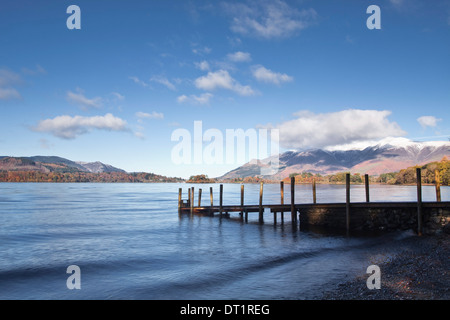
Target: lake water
<point>130,243</point>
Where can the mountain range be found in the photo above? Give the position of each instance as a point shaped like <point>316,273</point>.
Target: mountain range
<point>47,164</point>
<point>389,155</point>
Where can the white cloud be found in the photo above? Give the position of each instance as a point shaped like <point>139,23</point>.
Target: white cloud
<point>139,81</point>
<point>164,81</point>
<point>193,99</point>
<point>81,100</point>
<point>265,75</point>
<point>428,121</point>
<point>268,18</point>
<point>239,56</point>
<point>310,130</point>
<point>222,80</point>
<point>9,93</point>
<point>67,127</point>
<point>7,80</point>
<point>153,115</point>
<point>118,96</point>
<point>204,65</point>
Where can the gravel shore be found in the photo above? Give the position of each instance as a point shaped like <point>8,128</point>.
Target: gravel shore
<point>420,271</point>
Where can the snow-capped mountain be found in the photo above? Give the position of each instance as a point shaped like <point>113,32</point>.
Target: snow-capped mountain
<point>388,155</point>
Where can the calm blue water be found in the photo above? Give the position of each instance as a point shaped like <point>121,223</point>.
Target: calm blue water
<point>130,243</point>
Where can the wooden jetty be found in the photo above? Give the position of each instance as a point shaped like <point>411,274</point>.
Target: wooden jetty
<point>349,216</point>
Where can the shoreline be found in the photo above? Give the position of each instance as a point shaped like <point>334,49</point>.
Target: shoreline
<point>419,271</point>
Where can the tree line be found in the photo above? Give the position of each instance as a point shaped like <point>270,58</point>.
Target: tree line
<point>78,176</point>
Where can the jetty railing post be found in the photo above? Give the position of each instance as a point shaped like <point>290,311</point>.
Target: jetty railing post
<point>211,196</point>
<point>221,199</point>
<point>419,201</point>
<point>180,191</point>
<point>192,199</point>
<point>199,197</point>
<point>242,200</point>
<point>437,179</point>
<point>347,202</point>
<point>261,211</point>
<point>293,213</point>
<point>314,190</point>
<point>366,182</point>
<point>282,200</point>
<point>189,197</point>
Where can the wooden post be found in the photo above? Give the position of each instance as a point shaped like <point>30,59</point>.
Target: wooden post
<point>189,197</point>
<point>242,199</point>
<point>180,191</point>
<point>437,178</point>
<point>211,196</point>
<point>366,181</point>
<point>261,211</point>
<point>221,199</point>
<point>347,202</point>
<point>419,201</point>
<point>192,199</point>
<point>314,190</point>
<point>199,197</point>
<point>282,200</point>
<point>293,213</point>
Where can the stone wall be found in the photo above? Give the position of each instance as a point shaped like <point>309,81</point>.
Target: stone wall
<point>377,216</point>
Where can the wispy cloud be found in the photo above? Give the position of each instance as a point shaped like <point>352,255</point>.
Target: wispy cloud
<point>153,115</point>
<point>193,99</point>
<point>310,130</point>
<point>81,100</point>
<point>203,65</point>
<point>428,121</point>
<point>268,18</point>
<point>9,79</point>
<point>265,75</point>
<point>222,80</point>
<point>9,93</point>
<point>139,81</point>
<point>67,127</point>
<point>239,56</point>
<point>164,81</point>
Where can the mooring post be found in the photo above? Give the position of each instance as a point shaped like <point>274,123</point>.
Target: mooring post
<point>180,191</point>
<point>189,197</point>
<point>437,179</point>
<point>192,191</point>
<point>314,190</point>
<point>221,199</point>
<point>199,197</point>
<point>419,201</point>
<point>366,182</point>
<point>211,196</point>
<point>293,213</point>
<point>282,200</point>
<point>261,211</point>
<point>242,200</point>
<point>347,202</point>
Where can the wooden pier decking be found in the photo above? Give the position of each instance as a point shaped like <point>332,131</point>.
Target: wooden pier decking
<point>345,215</point>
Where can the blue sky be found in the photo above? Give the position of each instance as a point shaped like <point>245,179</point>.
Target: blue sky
<point>116,89</point>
